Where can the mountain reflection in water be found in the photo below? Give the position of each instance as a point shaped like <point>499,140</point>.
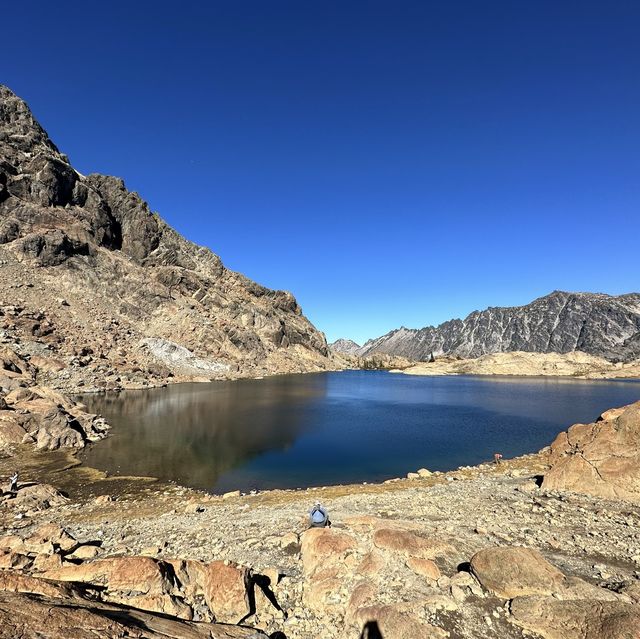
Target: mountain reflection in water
<point>328,428</point>
<point>195,433</point>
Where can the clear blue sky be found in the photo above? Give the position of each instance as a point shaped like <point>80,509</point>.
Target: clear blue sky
<point>390,163</point>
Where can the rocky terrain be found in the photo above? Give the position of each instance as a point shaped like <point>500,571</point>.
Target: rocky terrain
<point>602,325</point>
<point>575,364</point>
<point>542,546</point>
<point>104,294</point>
<point>346,346</point>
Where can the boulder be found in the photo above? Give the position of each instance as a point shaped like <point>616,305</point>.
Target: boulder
<point>511,572</point>
<point>424,567</point>
<point>36,497</point>
<point>600,459</point>
<point>141,575</point>
<point>576,619</point>
<point>395,622</point>
<point>32,617</point>
<point>226,590</point>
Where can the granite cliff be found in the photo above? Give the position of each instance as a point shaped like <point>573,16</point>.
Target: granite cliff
<point>603,325</point>
<point>104,293</point>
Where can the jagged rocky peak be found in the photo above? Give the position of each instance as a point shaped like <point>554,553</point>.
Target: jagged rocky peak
<point>347,346</point>
<point>92,236</point>
<point>561,322</point>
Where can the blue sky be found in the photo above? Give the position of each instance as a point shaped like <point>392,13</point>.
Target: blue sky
<point>390,163</point>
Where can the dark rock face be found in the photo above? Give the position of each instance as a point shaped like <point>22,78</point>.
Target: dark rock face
<point>598,324</point>
<point>108,247</point>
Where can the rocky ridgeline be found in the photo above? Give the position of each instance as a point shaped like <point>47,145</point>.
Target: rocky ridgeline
<point>92,273</point>
<point>602,325</point>
<point>524,548</point>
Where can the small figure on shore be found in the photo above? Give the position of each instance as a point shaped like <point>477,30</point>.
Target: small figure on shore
<point>318,517</point>
<point>497,457</point>
<point>13,483</point>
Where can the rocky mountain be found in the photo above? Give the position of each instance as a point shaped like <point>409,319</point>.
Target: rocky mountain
<point>347,346</point>
<point>105,293</point>
<point>598,324</point>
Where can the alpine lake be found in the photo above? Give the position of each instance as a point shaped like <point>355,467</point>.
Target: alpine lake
<point>336,428</point>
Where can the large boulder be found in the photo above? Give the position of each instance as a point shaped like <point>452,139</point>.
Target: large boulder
<point>514,571</point>
<point>600,459</point>
<point>34,616</point>
<point>511,571</point>
<point>576,619</point>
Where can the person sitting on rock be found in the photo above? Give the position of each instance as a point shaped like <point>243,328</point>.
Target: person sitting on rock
<point>318,517</point>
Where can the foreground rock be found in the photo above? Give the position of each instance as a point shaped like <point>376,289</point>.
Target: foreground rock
<point>33,617</point>
<point>602,458</point>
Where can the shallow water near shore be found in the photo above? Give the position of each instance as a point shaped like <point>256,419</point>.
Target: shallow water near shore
<point>336,428</point>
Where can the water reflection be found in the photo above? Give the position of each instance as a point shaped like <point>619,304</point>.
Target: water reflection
<point>304,430</point>
<point>195,433</point>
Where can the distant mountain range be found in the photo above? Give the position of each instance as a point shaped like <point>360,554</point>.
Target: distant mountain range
<point>595,323</point>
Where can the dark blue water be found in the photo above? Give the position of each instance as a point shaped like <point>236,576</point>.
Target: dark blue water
<point>331,428</point>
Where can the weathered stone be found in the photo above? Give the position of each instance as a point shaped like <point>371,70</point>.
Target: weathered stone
<point>601,459</point>
<point>409,543</point>
<point>576,619</point>
<point>32,617</point>
<point>393,622</point>
<point>511,572</point>
<point>226,591</point>
<point>424,567</point>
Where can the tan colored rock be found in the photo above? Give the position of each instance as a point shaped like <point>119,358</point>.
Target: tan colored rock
<point>409,543</point>
<point>372,564</point>
<point>576,619</point>
<point>324,546</point>
<point>84,552</point>
<point>11,581</point>
<point>424,567</point>
<point>14,560</point>
<point>51,534</point>
<point>30,617</point>
<point>226,590</point>
<point>36,497</point>
<point>324,555</point>
<point>11,430</point>
<point>601,459</point>
<point>512,571</point>
<point>133,574</point>
<point>395,622</point>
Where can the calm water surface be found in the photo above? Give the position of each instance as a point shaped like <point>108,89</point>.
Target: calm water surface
<point>331,428</point>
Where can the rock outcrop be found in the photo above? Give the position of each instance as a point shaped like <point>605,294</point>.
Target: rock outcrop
<point>38,415</point>
<point>598,324</point>
<point>601,459</point>
<point>115,297</point>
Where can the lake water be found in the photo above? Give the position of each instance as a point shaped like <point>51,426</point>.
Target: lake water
<point>333,428</point>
